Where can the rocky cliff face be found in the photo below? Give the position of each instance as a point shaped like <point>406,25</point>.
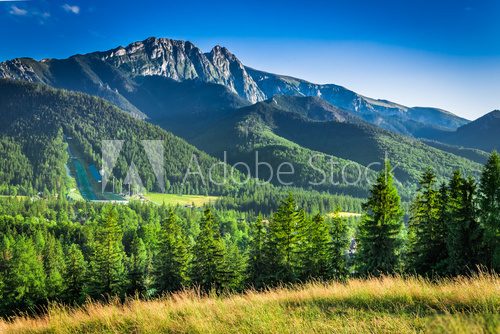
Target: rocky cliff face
<point>233,74</point>
<point>25,69</point>
<point>177,60</point>
<point>110,74</point>
<point>180,60</point>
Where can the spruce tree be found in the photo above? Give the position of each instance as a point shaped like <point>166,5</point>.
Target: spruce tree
<point>6,244</point>
<point>317,259</point>
<point>427,228</point>
<point>137,267</point>
<point>75,275</point>
<point>441,267</point>
<point>258,260</point>
<point>171,263</point>
<point>464,233</point>
<point>490,211</point>
<point>209,269</point>
<point>380,240</point>
<point>107,261</point>
<point>24,285</point>
<point>53,261</point>
<point>286,242</point>
<point>236,264</point>
<point>339,247</point>
<point>455,260</point>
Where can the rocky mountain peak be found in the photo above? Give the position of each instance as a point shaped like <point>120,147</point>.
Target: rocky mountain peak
<point>222,52</point>
<point>111,73</point>
<point>182,60</point>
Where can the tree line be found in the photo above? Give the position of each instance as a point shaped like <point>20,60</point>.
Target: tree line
<point>67,252</point>
<point>453,227</point>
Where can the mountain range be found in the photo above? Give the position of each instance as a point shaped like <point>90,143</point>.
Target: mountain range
<point>213,105</point>
<point>113,75</point>
<point>293,129</point>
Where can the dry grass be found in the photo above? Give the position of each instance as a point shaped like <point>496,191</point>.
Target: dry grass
<point>386,305</point>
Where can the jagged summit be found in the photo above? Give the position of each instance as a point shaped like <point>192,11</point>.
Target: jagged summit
<point>112,75</point>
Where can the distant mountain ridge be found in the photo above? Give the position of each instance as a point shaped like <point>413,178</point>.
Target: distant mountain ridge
<point>383,113</point>
<point>294,129</point>
<point>483,133</point>
<point>112,75</point>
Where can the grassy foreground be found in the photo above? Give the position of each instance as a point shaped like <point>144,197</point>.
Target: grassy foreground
<point>386,305</point>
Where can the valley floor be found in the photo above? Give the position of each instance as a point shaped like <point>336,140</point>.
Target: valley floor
<point>183,200</point>
<point>387,305</point>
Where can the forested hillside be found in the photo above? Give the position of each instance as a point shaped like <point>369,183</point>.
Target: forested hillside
<point>58,251</point>
<point>294,129</point>
<point>481,134</point>
<point>282,167</point>
<point>35,120</point>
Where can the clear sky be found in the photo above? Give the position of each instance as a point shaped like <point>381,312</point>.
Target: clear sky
<point>419,53</point>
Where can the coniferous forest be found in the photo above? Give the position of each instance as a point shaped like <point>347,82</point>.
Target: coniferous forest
<point>53,250</point>
<point>158,185</point>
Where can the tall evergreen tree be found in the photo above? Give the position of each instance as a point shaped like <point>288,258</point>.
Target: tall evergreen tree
<point>24,285</point>
<point>53,261</point>
<point>107,262</point>
<point>317,258</point>
<point>171,263</point>
<point>258,261</point>
<point>464,233</point>
<point>6,243</point>
<point>380,240</point>
<point>441,267</point>
<point>490,210</point>
<point>137,270</point>
<point>75,275</point>
<point>339,246</point>
<point>236,264</point>
<point>427,228</point>
<point>209,269</point>
<point>286,242</point>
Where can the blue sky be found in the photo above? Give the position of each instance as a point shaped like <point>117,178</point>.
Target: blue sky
<point>427,53</point>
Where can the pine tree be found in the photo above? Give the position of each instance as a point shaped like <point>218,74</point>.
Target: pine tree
<point>137,267</point>
<point>107,262</point>
<point>339,246</point>
<point>53,260</point>
<point>236,265</point>
<point>6,244</point>
<point>258,260</point>
<point>24,285</point>
<point>490,210</point>
<point>171,263</point>
<point>75,275</point>
<point>464,233</point>
<point>209,269</point>
<point>441,267</point>
<point>317,259</point>
<point>286,242</point>
<point>380,240</point>
<point>427,228</point>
